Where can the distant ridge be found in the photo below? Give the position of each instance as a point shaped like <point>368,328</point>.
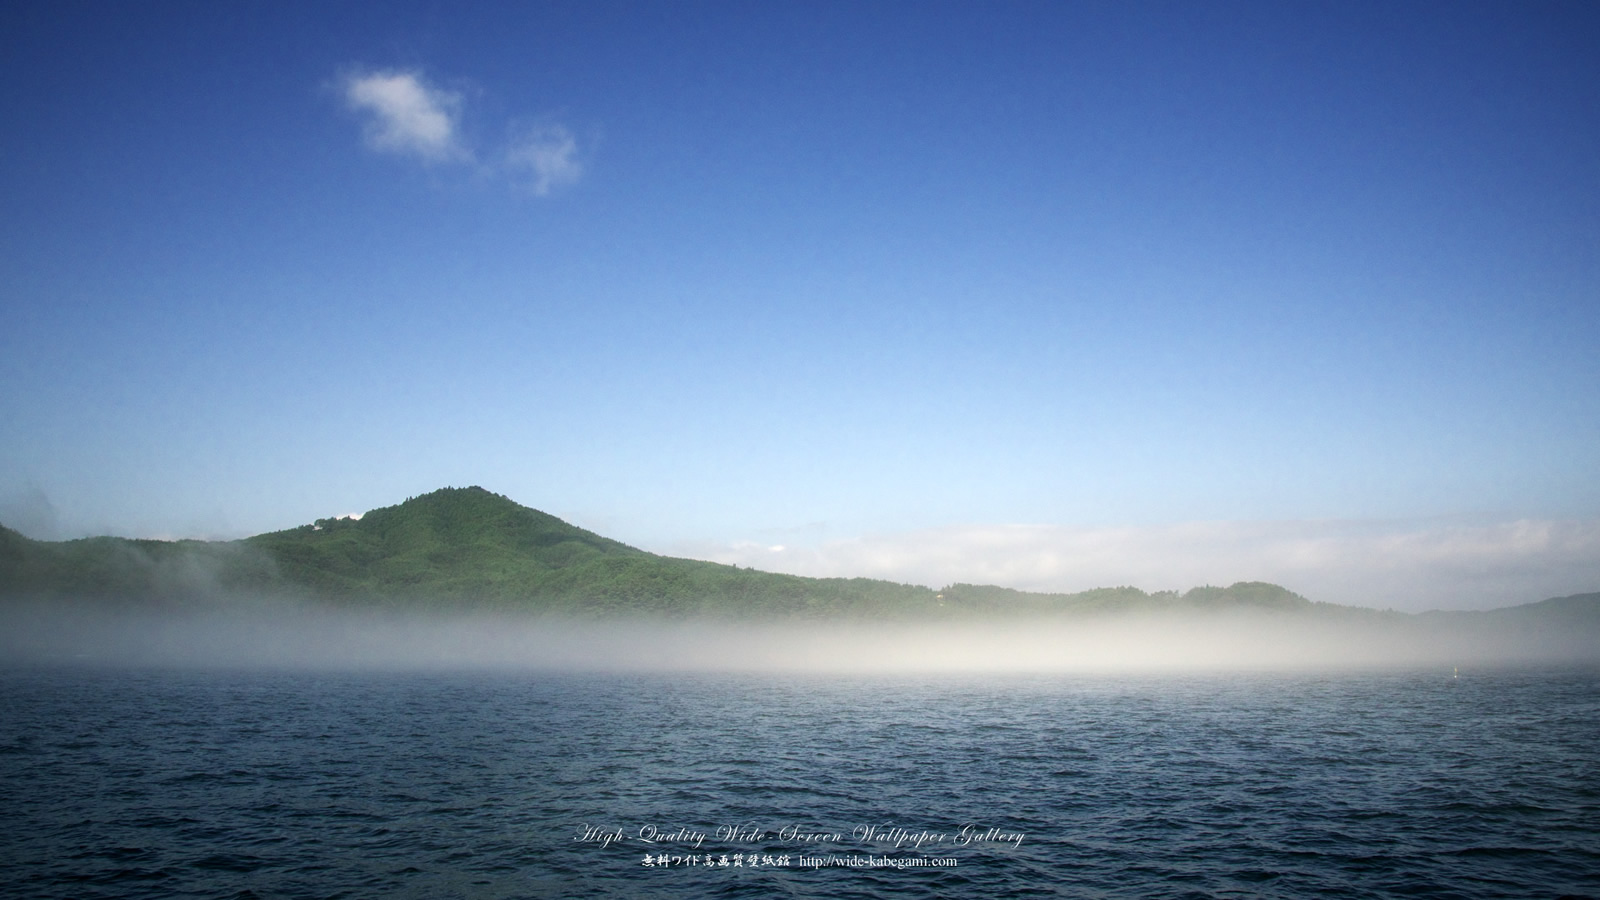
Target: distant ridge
<point>469,548</point>
<point>1578,611</point>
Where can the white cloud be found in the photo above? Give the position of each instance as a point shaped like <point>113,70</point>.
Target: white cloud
<point>406,115</point>
<point>1402,565</point>
<point>549,154</point>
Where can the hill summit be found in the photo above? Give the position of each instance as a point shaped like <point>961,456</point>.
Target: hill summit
<point>450,539</point>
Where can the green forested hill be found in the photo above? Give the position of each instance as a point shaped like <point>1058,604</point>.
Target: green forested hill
<point>452,542</point>
<point>469,548</point>
<point>455,547</point>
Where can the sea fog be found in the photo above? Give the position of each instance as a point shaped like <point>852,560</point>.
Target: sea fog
<point>278,750</point>
<point>282,634</point>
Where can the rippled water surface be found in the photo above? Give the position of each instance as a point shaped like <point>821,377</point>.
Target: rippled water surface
<point>278,784</point>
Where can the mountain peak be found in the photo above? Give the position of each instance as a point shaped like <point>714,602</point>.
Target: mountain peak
<point>465,516</point>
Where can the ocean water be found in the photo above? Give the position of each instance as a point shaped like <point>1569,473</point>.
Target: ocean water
<point>191,783</point>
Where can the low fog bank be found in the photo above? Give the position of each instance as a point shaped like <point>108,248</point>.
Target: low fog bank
<point>289,636</point>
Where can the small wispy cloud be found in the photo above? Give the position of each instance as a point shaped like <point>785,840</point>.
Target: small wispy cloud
<point>407,115</point>
<point>547,155</point>
<point>1402,565</point>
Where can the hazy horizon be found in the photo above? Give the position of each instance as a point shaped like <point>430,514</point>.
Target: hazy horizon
<point>276,635</point>
<point>1453,565</point>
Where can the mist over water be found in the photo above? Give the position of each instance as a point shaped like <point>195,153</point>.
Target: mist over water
<point>279,634</point>
<point>267,748</point>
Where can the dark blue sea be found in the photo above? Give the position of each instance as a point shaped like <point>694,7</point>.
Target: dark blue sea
<point>326,784</point>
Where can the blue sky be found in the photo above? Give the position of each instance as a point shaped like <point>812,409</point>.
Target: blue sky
<point>1045,294</point>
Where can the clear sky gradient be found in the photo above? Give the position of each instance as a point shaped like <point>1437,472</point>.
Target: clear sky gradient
<point>1051,295</point>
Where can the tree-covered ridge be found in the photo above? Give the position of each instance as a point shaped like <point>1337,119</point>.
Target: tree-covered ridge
<point>133,571</point>
<point>455,547</point>
<point>1252,594</point>
<point>468,548</point>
